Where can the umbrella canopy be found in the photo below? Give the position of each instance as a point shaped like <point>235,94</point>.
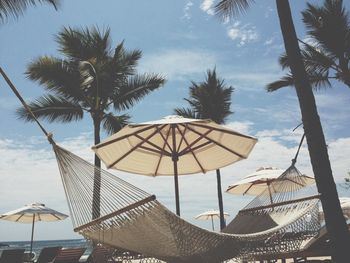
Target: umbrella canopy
<point>36,211</point>
<point>32,213</point>
<point>210,215</point>
<point>257,182</point>
<point>173,146</point>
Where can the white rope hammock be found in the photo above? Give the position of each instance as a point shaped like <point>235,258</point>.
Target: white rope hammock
<point>134,220</point>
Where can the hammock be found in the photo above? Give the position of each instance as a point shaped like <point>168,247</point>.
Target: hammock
<point>134,220</point>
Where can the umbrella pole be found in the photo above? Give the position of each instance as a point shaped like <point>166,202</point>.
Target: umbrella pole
<point>268,186</point>
<point>31,240</point>
<point>212,222</point>
<point>221,206</point>
<point>176,181</point>
<point>175,158</point>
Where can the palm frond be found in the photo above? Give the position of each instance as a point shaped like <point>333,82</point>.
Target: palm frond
<point>57,76</point>
<point>52,109</point>
<point>113,124</point>
<point>317,80</point>
<point>125,61</point>
<point>15,8</point>
<point>283,61</point>
<point>135,89</point>
<point>328,25</point>
<point>231,8</point>
<point>281,83</point>
<point>187,113</point>
<point>316,61</point>
<point>84,44</point>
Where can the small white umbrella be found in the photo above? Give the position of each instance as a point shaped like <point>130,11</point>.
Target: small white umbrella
<point>32,213</point>
<point>210,215</point>
<point>257,182</point>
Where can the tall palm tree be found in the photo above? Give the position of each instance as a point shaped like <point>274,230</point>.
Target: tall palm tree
<point>210,99</point>
<point>327,57</point>
<point>14,8</point>
<point>335,221</point>
<point>92,78</point>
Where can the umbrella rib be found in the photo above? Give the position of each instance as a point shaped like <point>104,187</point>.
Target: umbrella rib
<point>166,139</point>
<point>224,131</point>
<point>186,151</point>
<point>19,217</point>
<point>161,151</point>
<point>55,216</point>
<point>182,137</point>
<point>246,191</point>
<point>154,150</point>
<point>133,149</point>
<point>122,137</point>
<point>219,144</point>
<point>193,154</point>
<point>161,154</point>
<point>201,136</point>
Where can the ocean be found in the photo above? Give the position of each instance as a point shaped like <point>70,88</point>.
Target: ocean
<point>38,245</point>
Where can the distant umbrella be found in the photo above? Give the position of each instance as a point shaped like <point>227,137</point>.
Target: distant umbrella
<point>32,213</point>
<point>210,215</point>
<point>257,182</point>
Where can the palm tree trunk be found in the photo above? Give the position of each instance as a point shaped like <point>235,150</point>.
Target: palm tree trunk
<point>335,222</point>
<point>221,206</point>
<point>97,173</point>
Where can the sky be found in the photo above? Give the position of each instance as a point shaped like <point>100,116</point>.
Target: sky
<point>180,40</point>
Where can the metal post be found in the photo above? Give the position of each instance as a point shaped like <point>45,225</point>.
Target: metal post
<point>175,158</point>
<point>31,240</point>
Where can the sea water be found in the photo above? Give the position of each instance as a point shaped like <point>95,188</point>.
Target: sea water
<point>39,245</point>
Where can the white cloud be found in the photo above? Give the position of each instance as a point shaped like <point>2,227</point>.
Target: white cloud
<point>242,127</point>
<point>186,10</point>
<point>177,63</point>
<point>207,6</point>
<point>243,34</point>
<point>269,41</point>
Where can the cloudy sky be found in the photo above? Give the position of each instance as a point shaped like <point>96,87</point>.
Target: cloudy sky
<point>181,40</point>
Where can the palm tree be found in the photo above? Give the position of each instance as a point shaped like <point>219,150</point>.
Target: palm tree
<point>92,78</point>
<point>15,8</point>
<point>335,221</point>
<point>210,99</point>
<point>327,57</point>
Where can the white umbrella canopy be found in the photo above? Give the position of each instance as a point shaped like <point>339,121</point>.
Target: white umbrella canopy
<point>173,146</point>
<point>32,213</point>
<point>36,211</point>
<point>256,183</point>
<point>211,215</point>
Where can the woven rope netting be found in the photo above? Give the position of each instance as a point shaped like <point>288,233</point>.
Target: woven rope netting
<point>134,220</point>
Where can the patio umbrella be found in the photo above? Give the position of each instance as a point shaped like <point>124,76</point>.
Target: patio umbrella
<point>173,146</point>
<point>257,182</point>
<point>210,215</point>
<point>32,213</point>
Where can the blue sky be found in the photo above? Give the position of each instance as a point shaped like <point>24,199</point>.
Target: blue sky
<point>180,40</point>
